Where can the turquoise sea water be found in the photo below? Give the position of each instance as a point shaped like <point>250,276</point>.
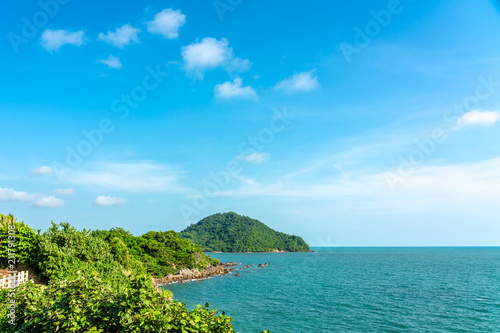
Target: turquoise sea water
<point>358,290</point>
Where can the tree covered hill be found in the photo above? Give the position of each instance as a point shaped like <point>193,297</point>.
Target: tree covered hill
<point>230,232</point>
<point>98,281</point>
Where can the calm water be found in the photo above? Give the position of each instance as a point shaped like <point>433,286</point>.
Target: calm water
<point>358,290</point>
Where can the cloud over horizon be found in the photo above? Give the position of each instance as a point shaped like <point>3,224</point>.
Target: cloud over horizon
<point>136,176</point>
<point>427,189</point>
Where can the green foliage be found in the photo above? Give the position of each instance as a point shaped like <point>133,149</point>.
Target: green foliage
<point>97,282</point>
<point>160,252</point>
<point>92,305</point>
<point>24,241</point>
<point>230,232</point>
<point>64,252</point>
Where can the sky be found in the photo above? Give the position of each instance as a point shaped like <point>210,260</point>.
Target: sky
<point>360,123</point>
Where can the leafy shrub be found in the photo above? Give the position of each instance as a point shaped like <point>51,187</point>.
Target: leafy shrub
<point>97,283</point>
<point>25,240</point>
<point>64,252</point>
<point>92,305</point>
<point>160,252</point>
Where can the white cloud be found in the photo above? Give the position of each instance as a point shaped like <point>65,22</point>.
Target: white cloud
<point>141,176</point>
<point>167,23</point>
<point>256,157</point>
<point>429,188</point>
<point>64,191</point>
<point>112,62</point>
<point>305,81</point>
<point>103,200</point>
<point>48,201</point>
<point>478,117</point>
<point>123,36</point>
<point>52,40</point>
<point>38,199</point>
<point>235,89</point>
<point>9,194</point>
<point>43,170</point>
<point>211,53</point>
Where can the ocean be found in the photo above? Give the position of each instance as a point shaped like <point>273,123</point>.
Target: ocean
<point>357,290</point>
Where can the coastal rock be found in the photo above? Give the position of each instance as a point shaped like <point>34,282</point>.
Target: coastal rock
<point>187,274</point>
<point>229,264</point>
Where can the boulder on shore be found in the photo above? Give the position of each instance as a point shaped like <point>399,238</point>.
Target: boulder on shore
<point>186,274</point>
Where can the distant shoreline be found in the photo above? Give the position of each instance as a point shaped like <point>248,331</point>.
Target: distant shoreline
<point>282,251</point>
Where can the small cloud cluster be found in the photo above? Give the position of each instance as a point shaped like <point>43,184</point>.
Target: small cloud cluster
<point>305,81</point>
<point>37,199</point>
<point>43,170</point>
<point>125,35</point>
<point>112,62</point>
<point>235,89</point>
<point>167,23</point>
<point>52,40</point>
<point>198,57</point>
<point>210,53</point>
<point>256,157</point>
<point>478,117</point>
<point>64,191</point>
<point>48,201</point>
<point>103,200</point>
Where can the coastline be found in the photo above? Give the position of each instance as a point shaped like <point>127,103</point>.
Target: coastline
<point>274,251</point>
<point>194,274</point>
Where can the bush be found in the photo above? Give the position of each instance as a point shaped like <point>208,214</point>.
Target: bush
<point>25,241</point>
<point>64,253</point>
<point>97,284</point>
<point>159,252</point>
<point>92,305</point>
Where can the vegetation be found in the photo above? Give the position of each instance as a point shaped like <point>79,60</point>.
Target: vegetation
<point>91,305</point>
<point>96,282</point>
<point>25,240</point>
<point>230,232</point>
<point>161,252</point>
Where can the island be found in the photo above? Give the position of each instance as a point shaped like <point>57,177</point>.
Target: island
<point>231,232</point>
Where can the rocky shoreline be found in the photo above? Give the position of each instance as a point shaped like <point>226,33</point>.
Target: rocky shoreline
<point>273,251</point>
<point>187,274</point>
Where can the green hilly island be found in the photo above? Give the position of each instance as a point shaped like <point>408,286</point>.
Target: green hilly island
<point>231,232</point>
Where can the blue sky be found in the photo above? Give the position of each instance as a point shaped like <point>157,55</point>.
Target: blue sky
<point>368,123</point>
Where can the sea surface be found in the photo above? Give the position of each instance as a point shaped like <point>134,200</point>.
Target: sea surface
<point>357,290</point>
